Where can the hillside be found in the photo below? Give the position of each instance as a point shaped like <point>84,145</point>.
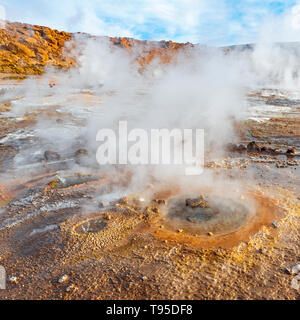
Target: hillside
<point>27,49</point>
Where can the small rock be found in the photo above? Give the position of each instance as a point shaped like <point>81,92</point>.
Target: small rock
<point>210,234</point>
<point>253,147</point>
<point>80,154</point>
<point>155,210</point>
<point>295,282</point>
<point>287,270</point>
<point>278,165</point>
<point>291,151</point>
<point>107,216</point>
<point>13,279</point>
<point>241,147</point>
<point>275,224</point>
<point>262,251</point>
<point>231,147</point>
<point>160,201</point>
<point>103,204</point>
<point>63,279</point>
<point>144,278</point>
<point>295,269</point>
<point>51,155</point>
<point>179,230</point>
<point>198,202</point>
<point>268,150</point>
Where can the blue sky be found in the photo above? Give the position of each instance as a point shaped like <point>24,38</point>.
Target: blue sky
<point>212,22</point>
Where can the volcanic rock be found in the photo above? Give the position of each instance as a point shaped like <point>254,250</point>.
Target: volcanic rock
<point>295,269</point>
<point>13,279</point>
<point>253,147</point>
<point>160,201</point>
<point>275,224</point>
<point>103,204</point>
<point>198,202</point>
<point>80,154</point>
<point>51,155</point>
<point>268,150</point>
<point>107,216</point>
<point>291,151</point>
<point>241,147</point>
<point>155,210</point>
<point>63,279</point>
<point>295,282</point>
<point>231,147</point>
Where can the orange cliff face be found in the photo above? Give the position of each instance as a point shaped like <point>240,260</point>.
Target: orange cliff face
<point>27,49</point>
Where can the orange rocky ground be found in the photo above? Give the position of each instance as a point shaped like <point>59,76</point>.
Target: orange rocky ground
<point>27,49</point>
<point>58,240</point>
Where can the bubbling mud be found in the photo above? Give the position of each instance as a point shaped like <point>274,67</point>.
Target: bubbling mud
<point>219,216</point>
<point>224,222</point>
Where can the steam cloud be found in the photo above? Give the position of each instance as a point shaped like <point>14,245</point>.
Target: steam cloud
<point>202,88</point>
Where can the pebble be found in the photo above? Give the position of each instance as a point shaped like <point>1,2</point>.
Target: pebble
<point>275,224</point>
<point>63,279</point>
<point>103,204</point>
<point>51,155</point>
<point>107,216</point>
<point>210,234</point>
<point>262,251</point>
<point>155,210</point>
<point>144,278</point>
<point>13,279</point>
<point>295,282</point>
<point>295,269</point>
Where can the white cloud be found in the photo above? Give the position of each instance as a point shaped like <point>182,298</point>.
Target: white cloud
<point>284,28</point>
<point>202,21</point>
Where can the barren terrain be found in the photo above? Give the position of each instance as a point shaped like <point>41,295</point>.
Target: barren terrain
<point>72,230</point>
